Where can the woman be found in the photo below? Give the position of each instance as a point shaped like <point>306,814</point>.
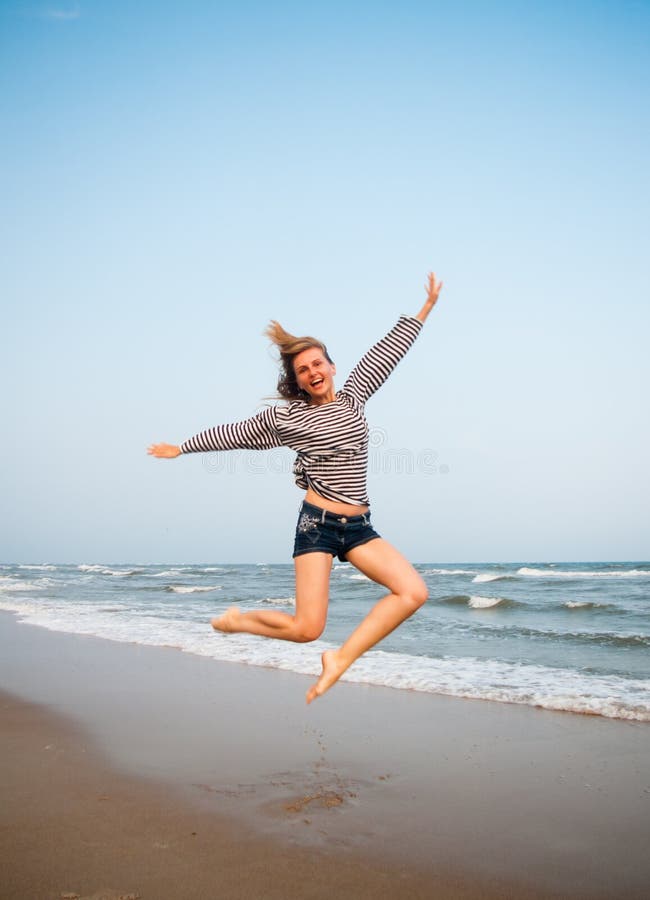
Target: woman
<point>329,431</point>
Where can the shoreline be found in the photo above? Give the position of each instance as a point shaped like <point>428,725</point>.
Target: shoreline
<point>477,798</point>
<point>561,640</point>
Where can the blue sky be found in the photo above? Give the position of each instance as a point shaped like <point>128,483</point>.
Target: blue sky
<point>176,174</point>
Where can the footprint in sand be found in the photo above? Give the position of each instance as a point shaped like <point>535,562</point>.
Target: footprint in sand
<point>102,895</point>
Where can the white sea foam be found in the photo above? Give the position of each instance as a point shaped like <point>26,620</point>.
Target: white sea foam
<point>278,601</point>
<point>44,567</point>
<point>448,572</point>
<point>8,584</point>
<point>484,602</point>
<point>186,589</point>
<point>24,608</point>
<point>105,570</point>
<point>168,573</point>
<point>485,577</point>
<point>582,604</point>
<point>120,573</point>
<point>564,573</point>
<point>534,685</point>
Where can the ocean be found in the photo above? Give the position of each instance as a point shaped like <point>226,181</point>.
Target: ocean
<point>560,636</point>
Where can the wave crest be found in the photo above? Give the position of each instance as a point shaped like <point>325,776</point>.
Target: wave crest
<point>486,602</point>
<point>186,589</point>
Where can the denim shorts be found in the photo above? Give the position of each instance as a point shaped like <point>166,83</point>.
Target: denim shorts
<point>320,531</point>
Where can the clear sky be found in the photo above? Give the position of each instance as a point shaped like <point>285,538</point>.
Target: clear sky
<point>175,174</point>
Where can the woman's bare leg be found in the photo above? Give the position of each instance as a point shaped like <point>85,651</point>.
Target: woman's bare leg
<point>381,562</point>
<point>307,623</point>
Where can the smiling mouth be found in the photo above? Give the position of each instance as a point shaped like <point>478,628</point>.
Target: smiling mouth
<point>317,383</point>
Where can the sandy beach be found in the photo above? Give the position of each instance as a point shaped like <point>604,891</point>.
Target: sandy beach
<point>132,770</point>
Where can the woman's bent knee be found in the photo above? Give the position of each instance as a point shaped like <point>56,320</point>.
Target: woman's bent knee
<point>305,632</point>
<point>418,595</point>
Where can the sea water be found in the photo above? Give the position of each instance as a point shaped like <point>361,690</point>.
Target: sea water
<point>562,636</point>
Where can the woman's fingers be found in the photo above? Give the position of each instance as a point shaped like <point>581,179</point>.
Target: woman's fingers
<point>433,288</point>
<point>163,451</point>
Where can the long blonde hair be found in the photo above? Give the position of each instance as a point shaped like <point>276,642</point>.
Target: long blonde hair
<point>290,346</point>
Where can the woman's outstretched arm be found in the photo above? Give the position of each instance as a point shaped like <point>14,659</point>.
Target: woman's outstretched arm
<point>433,289</point>
<point>257,433</point>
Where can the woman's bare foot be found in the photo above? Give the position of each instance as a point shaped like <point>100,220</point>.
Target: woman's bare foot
<point>227,622</point>
<point>333,668</point>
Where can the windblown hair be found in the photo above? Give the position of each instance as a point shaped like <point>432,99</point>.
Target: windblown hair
<point>290,346</point>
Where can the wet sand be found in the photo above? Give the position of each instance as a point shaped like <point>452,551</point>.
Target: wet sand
<point>146,771</point>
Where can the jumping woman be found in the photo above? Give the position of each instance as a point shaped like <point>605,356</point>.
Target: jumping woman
<point>329,432</point>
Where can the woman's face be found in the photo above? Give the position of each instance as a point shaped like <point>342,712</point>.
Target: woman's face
<point>315,375</point>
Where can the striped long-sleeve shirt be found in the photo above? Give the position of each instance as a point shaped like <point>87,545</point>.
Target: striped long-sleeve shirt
<point>331,440</point>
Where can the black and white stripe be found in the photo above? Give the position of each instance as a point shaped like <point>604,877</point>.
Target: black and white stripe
<point>331,440</point>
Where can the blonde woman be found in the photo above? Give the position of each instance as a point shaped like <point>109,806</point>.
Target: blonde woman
<point>329,432</point>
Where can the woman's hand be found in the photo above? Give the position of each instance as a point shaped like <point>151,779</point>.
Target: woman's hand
<point>164,451</point>
<point>433,289</point>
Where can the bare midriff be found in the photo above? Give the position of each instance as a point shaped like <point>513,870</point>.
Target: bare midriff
<point>344,509</point>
